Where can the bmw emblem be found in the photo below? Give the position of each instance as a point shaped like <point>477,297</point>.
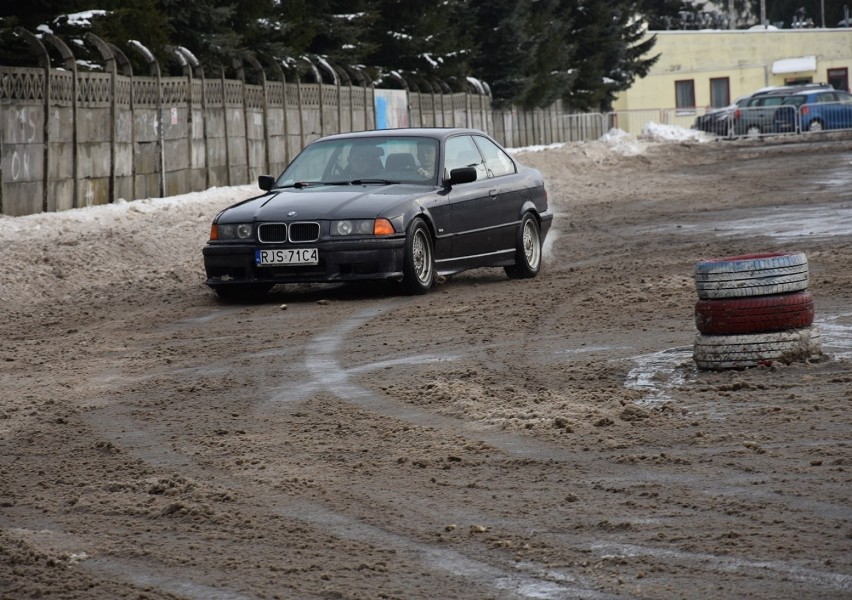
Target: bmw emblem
<point>292,213</point>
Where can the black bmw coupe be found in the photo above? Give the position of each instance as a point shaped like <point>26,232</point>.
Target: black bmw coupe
<point>401,204</point>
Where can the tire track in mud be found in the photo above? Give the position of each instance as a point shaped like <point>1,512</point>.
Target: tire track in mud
<point>325,374</point>
<point>151,442</point>
<point>323,366</point>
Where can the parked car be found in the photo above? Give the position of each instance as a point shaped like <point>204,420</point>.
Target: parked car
<point>731,120</point>
<point>369,205</point>
<point>757,115</point>
<point>814,111</point>
<point>720,121</point>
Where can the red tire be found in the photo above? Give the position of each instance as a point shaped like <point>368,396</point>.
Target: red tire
<point>760,314</point>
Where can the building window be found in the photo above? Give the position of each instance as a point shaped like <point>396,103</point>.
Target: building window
<point>685,96</point>
<point>720,92</point>
<point>798,80</point>
<point>839,78</point>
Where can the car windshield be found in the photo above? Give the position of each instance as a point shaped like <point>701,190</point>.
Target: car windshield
<point>364,160</point>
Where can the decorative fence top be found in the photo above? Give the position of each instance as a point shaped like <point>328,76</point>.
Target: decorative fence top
<point>96,89</point>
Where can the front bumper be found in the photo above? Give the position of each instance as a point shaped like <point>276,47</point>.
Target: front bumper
<point>233,263</point>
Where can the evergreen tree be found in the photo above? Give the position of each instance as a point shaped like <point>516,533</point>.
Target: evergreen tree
<point>661,14</point>
<point>412,37</point>
<point>205,28</point>
<point>138,20</point>
<point>331,30</point>
<point>610,52</point>
<point>548,42</point>
<point>529,52</point>
<point>500,58</point>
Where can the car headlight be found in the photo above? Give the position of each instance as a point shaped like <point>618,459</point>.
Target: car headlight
<point>232,231</point>
<point>352,227</point>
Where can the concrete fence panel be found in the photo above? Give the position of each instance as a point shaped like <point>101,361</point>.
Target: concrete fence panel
<point>71,141</point>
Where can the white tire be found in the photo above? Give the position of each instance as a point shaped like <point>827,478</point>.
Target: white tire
<point>751,275</point>
<point>741,351</point>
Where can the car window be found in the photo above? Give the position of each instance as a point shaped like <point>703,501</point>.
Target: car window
<point>497,162</point>
<point>794,100</point>
<point>825,97</point>
<point>398,158</point>
<point>462,152</point>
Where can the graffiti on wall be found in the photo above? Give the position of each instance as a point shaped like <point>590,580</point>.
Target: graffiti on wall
<point>391,109</point>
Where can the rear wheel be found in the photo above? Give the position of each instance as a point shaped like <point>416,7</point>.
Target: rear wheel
<point>419,263</point>
<point>527,250</point>
<point>815,126</point>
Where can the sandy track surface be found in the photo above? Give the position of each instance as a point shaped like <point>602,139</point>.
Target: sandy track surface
<point>548,438</point>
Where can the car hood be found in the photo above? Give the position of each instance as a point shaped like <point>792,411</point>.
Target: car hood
<point>324,202</point>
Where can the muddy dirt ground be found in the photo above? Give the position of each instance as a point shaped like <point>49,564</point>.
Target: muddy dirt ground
<point>547,438</point>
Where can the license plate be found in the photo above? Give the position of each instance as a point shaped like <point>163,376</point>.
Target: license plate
<point>289,256</point>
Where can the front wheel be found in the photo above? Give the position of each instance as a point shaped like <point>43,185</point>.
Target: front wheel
<point>527,250</point>
<point>418,270</point>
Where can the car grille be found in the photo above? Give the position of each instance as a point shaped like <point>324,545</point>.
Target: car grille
<point>271,233</point>
<point>304,232</point>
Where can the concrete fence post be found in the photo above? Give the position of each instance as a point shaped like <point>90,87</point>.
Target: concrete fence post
<point>109,57</point>
<point>44,63</point>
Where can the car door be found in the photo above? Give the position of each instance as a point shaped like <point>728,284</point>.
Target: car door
<point>509,192</point>
<point>475,225</point>
<point>835,114</point>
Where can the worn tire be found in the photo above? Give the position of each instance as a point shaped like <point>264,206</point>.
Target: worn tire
<point>754,315</point>
<point>751,275</point>
<point>527,250</point>
<point>419,262</point>
<point>720,352</point>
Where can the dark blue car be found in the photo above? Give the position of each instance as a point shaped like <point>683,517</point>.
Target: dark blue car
<point>814,111</point>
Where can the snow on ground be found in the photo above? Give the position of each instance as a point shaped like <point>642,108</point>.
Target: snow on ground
<point>16,228</point>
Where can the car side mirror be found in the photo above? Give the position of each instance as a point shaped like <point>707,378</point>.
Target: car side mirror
<point>265,182</point>
<point>461,175</point>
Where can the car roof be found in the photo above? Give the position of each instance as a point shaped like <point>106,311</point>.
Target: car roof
<point>819,91</point>
<point>439,133</point>
<point>783,90</point>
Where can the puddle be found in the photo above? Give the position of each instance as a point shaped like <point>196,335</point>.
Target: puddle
<point>656,373</point>
<point>816,222</point>
<point>661,371</point>
<point>836,337</point>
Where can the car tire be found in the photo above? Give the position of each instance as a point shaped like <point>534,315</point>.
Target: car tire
<point>815,126</point>
<point>718,352</point>
<point>755,315</point>
<point>751,275</point>
<point>418,270</point>
<point>243,292</point>
<point>527,250</point>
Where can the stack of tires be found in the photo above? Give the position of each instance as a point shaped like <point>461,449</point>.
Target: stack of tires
<point>753,310</point>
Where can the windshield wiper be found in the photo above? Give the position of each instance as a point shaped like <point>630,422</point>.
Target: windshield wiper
<point>368,180</point>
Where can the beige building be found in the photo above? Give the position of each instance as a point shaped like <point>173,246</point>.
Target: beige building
<point>698,70</point>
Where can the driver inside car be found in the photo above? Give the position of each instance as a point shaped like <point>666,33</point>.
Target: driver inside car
<point>426,155</point>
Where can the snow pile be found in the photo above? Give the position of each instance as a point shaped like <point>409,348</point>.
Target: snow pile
<point>202,206</point>
<point>654,132</point>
